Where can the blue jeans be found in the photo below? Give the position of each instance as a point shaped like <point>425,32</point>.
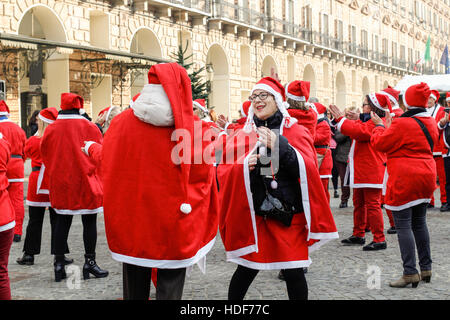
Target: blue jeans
<point>412,232</point>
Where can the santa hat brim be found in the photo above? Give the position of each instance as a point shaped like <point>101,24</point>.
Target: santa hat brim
<point>46,120</point>
<point>198,105</point>
<point>374,100</point>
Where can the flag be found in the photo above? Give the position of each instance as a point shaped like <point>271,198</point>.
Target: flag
<point>426,56</point>
<point>445,60</point>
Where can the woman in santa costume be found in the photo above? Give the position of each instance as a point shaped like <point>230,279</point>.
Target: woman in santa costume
<point>272,165</point>
<point>37,202</point>
<point>297,96</point>
<point>7,220</point>
<point>16,138</point>
<point>162,211</point>
<point>444,131</point>
<point>365,172</point>
<point>75,188</point>
<point>408,143</point>
<point>437,113</point>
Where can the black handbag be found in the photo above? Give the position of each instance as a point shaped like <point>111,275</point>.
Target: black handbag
<point>273,208</point>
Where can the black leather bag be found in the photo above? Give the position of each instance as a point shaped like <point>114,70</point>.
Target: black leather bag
<point>273,208</point>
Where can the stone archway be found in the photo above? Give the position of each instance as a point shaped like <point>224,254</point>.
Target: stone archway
<point>144,42</point>
<point>269,67</point>
<point>47,78</point>
<point>365,86</point>
<point>309,75</point>
<point>341,90</point>
<point>385,84</point>
<point>220,85</point>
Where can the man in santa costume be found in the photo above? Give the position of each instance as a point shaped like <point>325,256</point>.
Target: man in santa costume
<point>437,113</point>
<point>16,138</point>
<point>7,220</point>
<point>161,199</point>
<point>443,132</point>
<point>297,96</point>
<point>365,172</point>
<point>248,181</point>
<point>73,184</point>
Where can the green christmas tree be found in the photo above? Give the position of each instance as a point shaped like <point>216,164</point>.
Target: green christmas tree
<point>200,88</point>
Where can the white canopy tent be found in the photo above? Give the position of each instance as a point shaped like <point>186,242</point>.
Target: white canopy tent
<point>439,82</point>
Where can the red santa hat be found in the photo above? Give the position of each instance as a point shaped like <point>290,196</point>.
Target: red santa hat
<point>417,96</point>
<point>320,109</point>
<point>245,107</point>
<point>108,112</point>
<point>72,101</point>
<point>447,97</point>
<point>275,88</point>
<point>176,84</point>
<point>435,95</point>
<point>4,109</point>
<point>201,104</point>
<point>392,94</point>
<point>298,90</point>
<point>48,115</point>
<point>134,99</point>
<point>381,101</point>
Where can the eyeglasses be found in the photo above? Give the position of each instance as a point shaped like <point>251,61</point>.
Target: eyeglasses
<point>366,104</point>
<point>262,96</point>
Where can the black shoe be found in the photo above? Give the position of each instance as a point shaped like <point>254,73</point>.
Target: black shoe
<point>66,260</point>
<point>91,267</point>
<point>17,238</point>
<point>430,206</point>
<point>373,246</point>
<point>343,205</point>
<point>26,260</point>
<point>281,275</point>
<point>354,240</point>
<point>59,267</point>
<point>392,230</point>
<point>336,194</point>
<point>445,207</point>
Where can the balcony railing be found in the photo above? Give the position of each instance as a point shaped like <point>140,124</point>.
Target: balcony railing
<point>201,5</point>
<point>225,9</point>
<point>290,29</point>
<point>327,41</point>
<point>399,63</point>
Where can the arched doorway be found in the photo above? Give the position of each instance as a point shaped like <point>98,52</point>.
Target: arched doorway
<point>341,91</point>
<point>269,67</point>
<point>220,85</point>
<point>385,85</point>
<point>309,75</point>
<point>47,74</point>
<point>365,86</point>
<point>144,42</point>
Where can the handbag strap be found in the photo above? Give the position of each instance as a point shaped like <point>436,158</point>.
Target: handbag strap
<point>426,132</point>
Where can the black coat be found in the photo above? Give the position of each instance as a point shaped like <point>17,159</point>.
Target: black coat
<point>287,173</point>
<point>343,146</point>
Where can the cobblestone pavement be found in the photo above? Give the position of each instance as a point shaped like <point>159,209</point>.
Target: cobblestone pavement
<point>337,272</point>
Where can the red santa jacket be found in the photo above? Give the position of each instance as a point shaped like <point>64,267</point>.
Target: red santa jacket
<point>437,113</point>
<point>7,214</point>
<point>322,144</point>
<point>366,165</point>
<point>74,185</point>
<point>238,125</point>
<point>16,138</point>
<point>263,244</point>
<point>33,151</point>
<point>306,118</point>
<point>410,164</point>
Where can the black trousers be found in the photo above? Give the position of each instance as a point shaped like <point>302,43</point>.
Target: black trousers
<point>63,223</point>
<point>447,177</point>
<point>33,237</point>
<point>243,277</point>
<point>136,283</point>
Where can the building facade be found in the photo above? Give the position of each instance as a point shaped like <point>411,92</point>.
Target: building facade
<point>102,50</point>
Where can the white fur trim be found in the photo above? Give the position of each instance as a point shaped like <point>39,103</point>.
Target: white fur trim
<point>109,113</point>
<point>39,181</point>
<point>8,226</point>
<point>153,106</point>
<point>198,105</point>
<point>37,204</point>
<point>375,101</point>
<point>390,97</point>
<point>1,135</point>
<point>45,119</point>
<point>433,96</point>
<point>295,98</point>
<point>16,180</point>
<point>407,205</point>
<point>339,125</point>
<point>4,114</point>
<point>272,265</point>
<point>351,166</point>
<point>447,99</point>
<point>404,101</point>
<point>165,264</point>
<point>87,146</point>
<point>186,208</point>
<point>70,117</point>
<point>79,211</point>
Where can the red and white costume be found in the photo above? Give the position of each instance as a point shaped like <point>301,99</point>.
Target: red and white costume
<point>410,164</point>
<point>366,172</point>
<point>73,183</point>
<point>264,244</point>
<point>240,122</point>
<point>33,151</point>
<point>440,150</point>
<point>160,210</point>
<point>7,213</point>
<point>393,96</point>
<point>15,173</point>
<point>299,91</point>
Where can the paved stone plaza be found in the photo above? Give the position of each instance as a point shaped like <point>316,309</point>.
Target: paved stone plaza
<point>337,272</point>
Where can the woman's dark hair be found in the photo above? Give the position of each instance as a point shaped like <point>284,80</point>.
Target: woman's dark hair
<point>376,110</point>
<point>33,117</point>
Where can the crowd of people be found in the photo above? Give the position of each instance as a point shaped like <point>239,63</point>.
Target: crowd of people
<point>261,180</point>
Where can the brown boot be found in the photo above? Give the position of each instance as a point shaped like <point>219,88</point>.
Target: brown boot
<point>426,276</point>
<point>414,279</point>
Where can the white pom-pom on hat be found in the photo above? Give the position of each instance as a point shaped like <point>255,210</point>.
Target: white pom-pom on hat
<point>186,208</point>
